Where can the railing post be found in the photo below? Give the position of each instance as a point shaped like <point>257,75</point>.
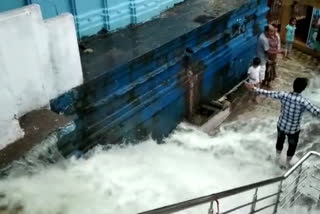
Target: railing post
<point>278,198</point>
<point>210,211</point>
<point>296,185</point>
<point>254,201</point>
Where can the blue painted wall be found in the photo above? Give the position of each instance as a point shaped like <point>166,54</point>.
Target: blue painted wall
<point>12,4</point>
<point>51,8</point>
<point>91,16</point>
<point>148,95</point>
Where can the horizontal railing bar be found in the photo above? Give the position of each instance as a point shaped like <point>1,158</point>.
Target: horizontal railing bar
<point>315,188</point>
<point>289,192</point>
<point>293,182</point>
<point>247,204</point>
<point>283,200</point>
<point>288,202</point>
<point>301,161</point>
<point>237,208</point>
<point>266,197</point>
<point>213,197</point>
<point>315,177</point>
<point>266,207</point>
<point>207,199</point>
<point>295,200</point>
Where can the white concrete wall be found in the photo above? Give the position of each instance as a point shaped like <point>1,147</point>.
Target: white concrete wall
<point>64,55</point>
<point>38,61</point>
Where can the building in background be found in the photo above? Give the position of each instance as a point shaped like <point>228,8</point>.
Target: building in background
<point>94,16</point>
<point>307,13</point>
<point>313,41</point>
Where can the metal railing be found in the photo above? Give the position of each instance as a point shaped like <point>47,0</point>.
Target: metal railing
<point>291,192</point>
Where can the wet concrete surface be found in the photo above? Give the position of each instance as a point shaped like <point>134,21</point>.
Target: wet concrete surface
<point>110,50</point>
<point>37,125</point>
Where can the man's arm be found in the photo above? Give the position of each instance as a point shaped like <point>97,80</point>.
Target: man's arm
<point>278,51</point>
<point>312,108</point>
<point>266,46</point>
<point>258,91</point>
<point>271,94</point>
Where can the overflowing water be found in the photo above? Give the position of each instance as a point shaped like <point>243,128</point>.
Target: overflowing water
<point>140,177</point>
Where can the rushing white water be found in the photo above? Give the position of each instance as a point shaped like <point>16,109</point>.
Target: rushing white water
<point>140,177</point>
<point>147,175</point>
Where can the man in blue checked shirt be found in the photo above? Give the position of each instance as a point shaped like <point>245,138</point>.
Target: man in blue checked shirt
<point>292,107</point>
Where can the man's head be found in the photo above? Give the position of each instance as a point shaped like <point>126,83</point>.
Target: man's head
<point>269,30</point>
<point>300,84</point>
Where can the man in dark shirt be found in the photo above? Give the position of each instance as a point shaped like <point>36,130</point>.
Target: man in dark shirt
<point>293,106</point>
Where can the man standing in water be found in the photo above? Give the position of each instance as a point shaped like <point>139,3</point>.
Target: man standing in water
<point>292,107</point>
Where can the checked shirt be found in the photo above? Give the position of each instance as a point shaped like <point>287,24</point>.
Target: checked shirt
<point>292,107</point>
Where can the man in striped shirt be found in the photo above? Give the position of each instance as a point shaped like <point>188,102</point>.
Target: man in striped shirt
<point>292,107</point>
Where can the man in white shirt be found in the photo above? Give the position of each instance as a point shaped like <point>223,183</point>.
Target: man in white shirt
<point>263,48</point>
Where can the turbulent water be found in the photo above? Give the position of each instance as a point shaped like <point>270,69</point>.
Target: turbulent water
<point>140,177</point>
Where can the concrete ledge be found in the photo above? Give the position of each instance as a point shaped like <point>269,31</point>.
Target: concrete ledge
<point>37,125</point>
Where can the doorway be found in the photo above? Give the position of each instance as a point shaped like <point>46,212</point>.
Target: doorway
<point>303,23</point>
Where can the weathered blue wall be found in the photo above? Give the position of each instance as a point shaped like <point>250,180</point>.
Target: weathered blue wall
<point>12,4</point>
<point>91,16</point>
<point>148,95</point>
